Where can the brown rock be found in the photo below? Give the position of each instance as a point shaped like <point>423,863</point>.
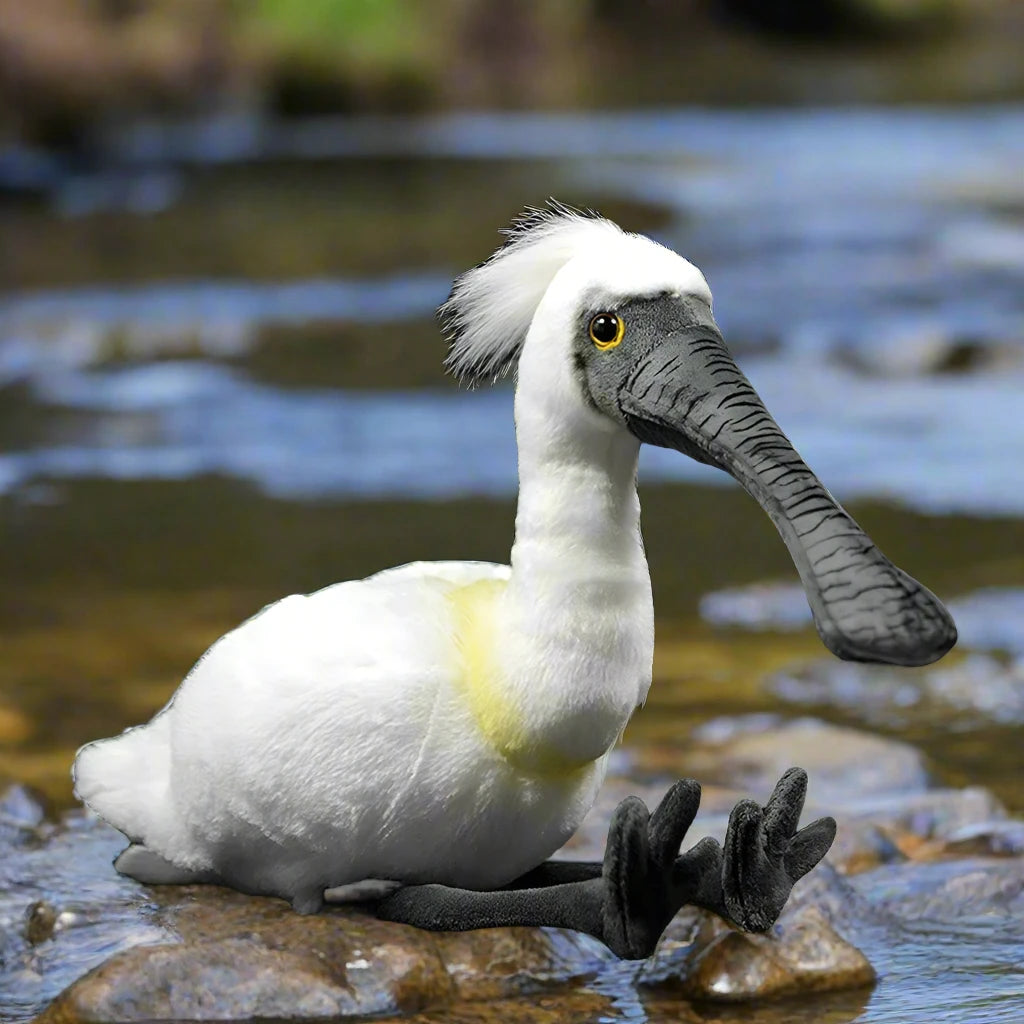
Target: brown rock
<point>805,956</point>
<point>503,962</point>
<point>554,1008</point>
<point>231,956</point>
<point>210,981</point>
<point>810,949</point>
<point>206,952</point>
<point>40,920</point>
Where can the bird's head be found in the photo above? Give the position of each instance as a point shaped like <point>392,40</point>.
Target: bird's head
<point>614,330</point>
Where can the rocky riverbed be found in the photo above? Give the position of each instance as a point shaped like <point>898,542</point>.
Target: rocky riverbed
<point>921,899</point>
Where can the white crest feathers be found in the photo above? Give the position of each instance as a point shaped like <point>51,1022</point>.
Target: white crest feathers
<point>490,308</point>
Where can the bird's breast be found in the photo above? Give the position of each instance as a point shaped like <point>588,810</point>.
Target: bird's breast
<point>550,702</point>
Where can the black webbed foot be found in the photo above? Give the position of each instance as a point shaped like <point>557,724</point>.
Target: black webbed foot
<point>765,856</point>
<point>641,891</point>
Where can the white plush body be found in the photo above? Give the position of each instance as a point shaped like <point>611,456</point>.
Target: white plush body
<point>444,722</point>
<point>328,740</point>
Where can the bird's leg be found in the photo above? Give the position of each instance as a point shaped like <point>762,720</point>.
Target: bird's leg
<point>625,902</point>
<point>576,905</point>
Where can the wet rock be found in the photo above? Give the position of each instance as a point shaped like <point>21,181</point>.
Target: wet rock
<point>40,921</point>
<point>843,905</point>
<point>750,754</point>
<point>120,951</point>
<point>555,1008</point>
<point>807,956</point>
<point>240,978</point>
<point>507,962</point>
<point>237,957</point>
<point>234,979</point>
<point>211,953</point>
<point>807,951</point>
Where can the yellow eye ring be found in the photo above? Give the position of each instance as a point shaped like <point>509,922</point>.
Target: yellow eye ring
<point>606,331</point>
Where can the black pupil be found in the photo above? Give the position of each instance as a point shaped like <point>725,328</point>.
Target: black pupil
<point>605,327</point>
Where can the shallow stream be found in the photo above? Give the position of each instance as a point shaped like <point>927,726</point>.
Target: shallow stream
<point>220,383</point>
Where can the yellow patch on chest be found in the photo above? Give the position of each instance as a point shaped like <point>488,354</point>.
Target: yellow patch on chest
<point>475,608</point>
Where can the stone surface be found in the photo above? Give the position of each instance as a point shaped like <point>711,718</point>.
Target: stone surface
<point>235,979</point>
<point>40,922</point>
<point>230,956</point>
<point>121,951</point>
<point>807,956</point>
<point>810,949</point>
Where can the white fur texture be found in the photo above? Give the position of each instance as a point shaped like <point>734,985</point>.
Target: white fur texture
<point>330,738</point>
<point>491,307</point>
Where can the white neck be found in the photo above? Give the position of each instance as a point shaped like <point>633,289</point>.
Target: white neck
<point>578,610</point>
<point>578,517</point>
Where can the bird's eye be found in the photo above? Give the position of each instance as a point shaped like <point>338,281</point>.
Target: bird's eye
<point>606,330</point>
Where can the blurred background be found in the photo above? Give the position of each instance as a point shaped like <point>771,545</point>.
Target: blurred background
<point>224,228</point>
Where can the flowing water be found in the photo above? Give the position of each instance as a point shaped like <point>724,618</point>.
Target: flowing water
<point>220,382</point>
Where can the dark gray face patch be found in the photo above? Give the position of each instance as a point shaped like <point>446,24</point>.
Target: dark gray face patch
<point>673,383</point>
<point>648,323</point>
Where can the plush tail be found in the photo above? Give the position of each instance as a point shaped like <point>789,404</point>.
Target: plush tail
<point>126,780</point>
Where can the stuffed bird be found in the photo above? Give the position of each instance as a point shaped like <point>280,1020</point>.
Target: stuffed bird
<point>445,726</point>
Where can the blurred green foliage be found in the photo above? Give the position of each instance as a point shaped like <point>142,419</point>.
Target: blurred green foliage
<point>365,29</point>
<point>68,67</point>
<point>362,36</point>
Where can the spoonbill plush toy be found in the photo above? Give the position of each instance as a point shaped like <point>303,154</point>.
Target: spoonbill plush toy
<point>446,725</point>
